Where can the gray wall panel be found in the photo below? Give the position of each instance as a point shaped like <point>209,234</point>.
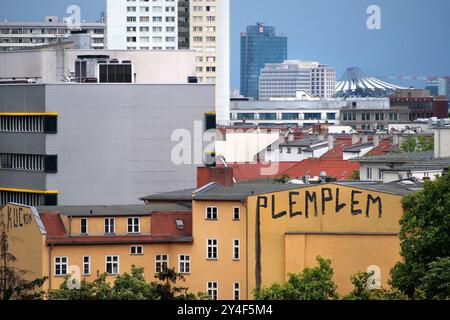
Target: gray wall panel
<point>113,140</point>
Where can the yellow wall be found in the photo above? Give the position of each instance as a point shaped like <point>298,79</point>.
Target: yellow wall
<point>25,240</point>
<point>96,225</point>
<point>349,254</point>
<point>98,255</point>
<point>289,244</point>
<point>225,270</point>
<point>276,246</point>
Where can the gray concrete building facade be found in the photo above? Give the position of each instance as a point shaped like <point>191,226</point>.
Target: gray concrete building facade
<point>72,144</point>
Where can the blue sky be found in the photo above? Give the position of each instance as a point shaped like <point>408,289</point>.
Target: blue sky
<point>414,39</point>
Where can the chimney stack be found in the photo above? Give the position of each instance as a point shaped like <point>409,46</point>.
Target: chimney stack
<point>330,142</point>
<point>376,140</point>
<point>355,139</point>
<point>365,138</point>
<point>442,142</point>
<point>220,175</point>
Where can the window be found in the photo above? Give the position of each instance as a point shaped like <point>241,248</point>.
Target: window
<point>162,262</point>
<point>184,263</point>
<point>374,282</point>
<point>236,291</point>
<point>369,173</point>
<point>86,266</point>
<point>110,226</point>
<point>112,265</point>
<point>211,213</point>
<point>236,250</point>
<point>61,266</point>
<point>134,225</point>
<point>236,213</point>
<point>212,288</point>
<point>211,249</point>
<point>380,174</point>
<point>136,250</point>
<point>84,226</point>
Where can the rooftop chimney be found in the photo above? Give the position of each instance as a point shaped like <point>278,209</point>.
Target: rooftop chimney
<point>330,142</point>
<point>220,175</point>
<point>376,140</point>
<point>355,139</point>
<point>442,142</point>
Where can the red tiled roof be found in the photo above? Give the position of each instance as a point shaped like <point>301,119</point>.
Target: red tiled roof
<point>253,171</point>
<point>53,224</point>
<point>341,169</point>
<point>338,151</point>
<point>384,147</point>
<point>163,230</point>
<point>164,223</point>
<point>116,239</point>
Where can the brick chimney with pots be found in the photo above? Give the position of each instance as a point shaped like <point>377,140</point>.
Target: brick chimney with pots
<point>220,175</point>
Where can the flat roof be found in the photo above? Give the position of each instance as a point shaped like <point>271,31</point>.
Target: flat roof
<point>96,210</point>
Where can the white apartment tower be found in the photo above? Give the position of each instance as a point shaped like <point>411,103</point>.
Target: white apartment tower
<point>200,25</point>
<point>282,80</point>
<point>142,24</point>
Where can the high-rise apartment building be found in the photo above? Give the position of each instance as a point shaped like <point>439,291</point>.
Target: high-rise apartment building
<point>259,45</point>
<point>27,35</point>
<point>203,38</point>
<point>200,25</point>
<point>287,78</point>
<point>142,24</point>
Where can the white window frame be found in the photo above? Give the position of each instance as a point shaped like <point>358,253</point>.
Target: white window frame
<point>212,211</point>
<point>161,261</point>
<point>236,291</point>
<point>81,226</point>
<point>216,245</point>
<point>133,225</point>
<point>88,263</point>
<point>184,263</point>
<point>238,213</point>
<point>136,253</point>
<point>213,286</point>
<point>369,173</point>
<point>60,264</point>
<point>109,225</point>
<point>112,262</point>
<point>238,247</point>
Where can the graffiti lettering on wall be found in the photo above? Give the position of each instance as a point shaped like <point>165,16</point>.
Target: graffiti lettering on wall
<point>314,203</point>
<point>17,218</point>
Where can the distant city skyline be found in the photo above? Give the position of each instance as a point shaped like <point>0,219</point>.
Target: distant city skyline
<point>413,40</point>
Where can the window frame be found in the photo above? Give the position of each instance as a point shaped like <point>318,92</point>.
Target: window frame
<point>238,213</point>
<point>86,226</point>
<point>216,246</point>
<point>112,264</point>
<point>212,215</point>
<point>161,261</point>
<point>185,263</point>
<point>214,287</point>
<point>108,226</point>
<point>133,225</point>
<point>88,264</point>
<point>238,247</point>
<point>136,253</point>
<point>60,264</point>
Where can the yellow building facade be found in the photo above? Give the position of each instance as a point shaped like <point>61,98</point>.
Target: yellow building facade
<point>229,242</point>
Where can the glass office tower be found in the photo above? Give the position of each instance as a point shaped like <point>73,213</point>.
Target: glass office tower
<point>259,45</point>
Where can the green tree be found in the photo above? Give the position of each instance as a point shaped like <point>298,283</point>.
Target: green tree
<point>355,175</point>
<point>420,143</point>
<point>127,287</point>
<point>436,282</point>
<point>425,237</point>
<point>362,291</point>
<point>312,284</point>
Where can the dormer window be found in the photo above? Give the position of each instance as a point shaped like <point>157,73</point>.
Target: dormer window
<point>84,226</point>
<point>110,226</point>
<point>134,225</point>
